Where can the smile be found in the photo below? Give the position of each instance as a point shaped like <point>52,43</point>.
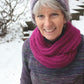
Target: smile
<point>49,30</point>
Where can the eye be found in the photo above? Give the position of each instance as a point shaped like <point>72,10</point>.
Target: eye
<point>54,14</point>
<point>40,16</point>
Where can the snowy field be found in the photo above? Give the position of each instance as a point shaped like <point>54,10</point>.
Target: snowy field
<point>11,53</point>
<point>10,62</point>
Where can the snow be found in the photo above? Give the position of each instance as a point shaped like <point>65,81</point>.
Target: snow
<point>79,24</point>
<point>11,48</point>
<point>10,62</point>
<point>73,4</point>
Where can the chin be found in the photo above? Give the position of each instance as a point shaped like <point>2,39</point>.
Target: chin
<point>51,39</point>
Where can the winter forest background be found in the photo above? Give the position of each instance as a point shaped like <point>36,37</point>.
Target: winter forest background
<point>13,13</point>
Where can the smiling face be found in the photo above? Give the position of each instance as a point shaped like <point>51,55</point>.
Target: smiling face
<point>50,22</point>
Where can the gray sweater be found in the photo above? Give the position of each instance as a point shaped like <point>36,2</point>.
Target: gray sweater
<point>35,73</point>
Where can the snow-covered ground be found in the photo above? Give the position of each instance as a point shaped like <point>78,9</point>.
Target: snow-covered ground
<point>11,52</point>
<point>10,62</point>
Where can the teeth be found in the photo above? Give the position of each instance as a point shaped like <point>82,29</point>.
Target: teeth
<point>49,30</point>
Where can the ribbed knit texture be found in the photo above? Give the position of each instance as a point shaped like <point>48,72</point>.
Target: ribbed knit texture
<point>35,73</point>
<point>61,53</point>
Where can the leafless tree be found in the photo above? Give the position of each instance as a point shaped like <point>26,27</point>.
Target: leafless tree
<point>7,13</point>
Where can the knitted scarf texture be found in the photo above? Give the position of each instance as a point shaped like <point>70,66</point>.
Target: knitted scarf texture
<point>59,54</point>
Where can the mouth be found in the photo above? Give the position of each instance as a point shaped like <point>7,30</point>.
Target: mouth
<point>50,30</point>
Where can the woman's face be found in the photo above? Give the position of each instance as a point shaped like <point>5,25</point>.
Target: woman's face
<point>50,22</point>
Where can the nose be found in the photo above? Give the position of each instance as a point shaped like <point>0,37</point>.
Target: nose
<point>47,22</point>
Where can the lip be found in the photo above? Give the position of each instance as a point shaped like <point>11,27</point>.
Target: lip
<point>49,30</point>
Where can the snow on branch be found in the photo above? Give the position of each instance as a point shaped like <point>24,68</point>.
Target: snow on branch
<point>9,13</point>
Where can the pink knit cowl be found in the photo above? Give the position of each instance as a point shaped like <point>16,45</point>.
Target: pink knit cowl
<point>59,54</point>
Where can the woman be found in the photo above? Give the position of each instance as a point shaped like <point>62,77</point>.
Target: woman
<point>54,54</point>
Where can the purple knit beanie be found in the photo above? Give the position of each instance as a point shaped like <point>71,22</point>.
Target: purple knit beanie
<point>63,3</point>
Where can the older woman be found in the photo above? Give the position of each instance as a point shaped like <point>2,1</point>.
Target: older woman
<point>54,54</point>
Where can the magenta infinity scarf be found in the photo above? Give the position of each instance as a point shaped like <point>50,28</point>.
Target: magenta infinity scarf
<point>59,54</point>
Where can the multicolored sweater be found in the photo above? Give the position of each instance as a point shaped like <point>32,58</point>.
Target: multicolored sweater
<point>35,73</point>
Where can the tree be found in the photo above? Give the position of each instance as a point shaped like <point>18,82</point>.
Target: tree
<point>8,13</point>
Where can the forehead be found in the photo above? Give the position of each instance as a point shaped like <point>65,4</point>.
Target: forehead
<point>48,10</point>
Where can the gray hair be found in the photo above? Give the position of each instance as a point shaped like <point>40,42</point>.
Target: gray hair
<point>54,4</point>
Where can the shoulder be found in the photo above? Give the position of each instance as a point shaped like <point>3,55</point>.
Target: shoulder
<point>26,43</point>
<point>82,36</point>
<point>26,48</point>
<point>82,40</point>
<point>81,46</point>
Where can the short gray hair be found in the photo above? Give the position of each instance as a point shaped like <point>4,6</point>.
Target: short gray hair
<point>54,4</point>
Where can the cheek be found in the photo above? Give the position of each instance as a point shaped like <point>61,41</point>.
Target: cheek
<point>60,27</point>
<point>38,23</point>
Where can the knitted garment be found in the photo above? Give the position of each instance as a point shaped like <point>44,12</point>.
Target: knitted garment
<point>63,3</point>
<point>34,72</point>
<point>61,53</point>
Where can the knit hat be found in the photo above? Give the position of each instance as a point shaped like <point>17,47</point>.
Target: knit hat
<point>63,3</point>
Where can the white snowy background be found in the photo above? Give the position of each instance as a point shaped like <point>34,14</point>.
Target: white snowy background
<point>11,46</point>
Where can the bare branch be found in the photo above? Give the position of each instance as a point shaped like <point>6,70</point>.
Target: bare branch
<point>22,12</point>
<point>7,10</point>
